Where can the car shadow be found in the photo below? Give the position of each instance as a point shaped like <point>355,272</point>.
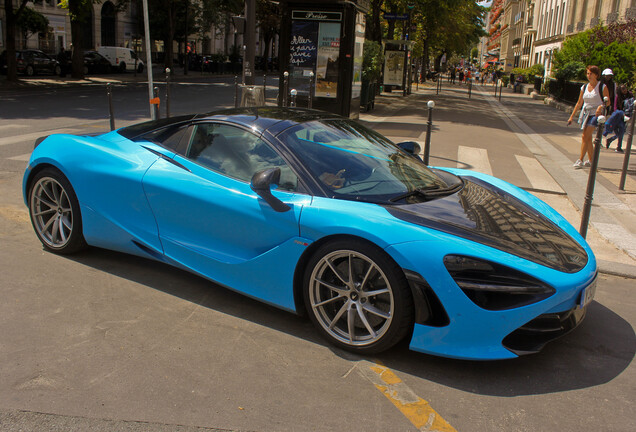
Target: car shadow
<point>595,353</point>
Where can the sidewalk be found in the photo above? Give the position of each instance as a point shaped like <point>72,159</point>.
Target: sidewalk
<point>542,131</point>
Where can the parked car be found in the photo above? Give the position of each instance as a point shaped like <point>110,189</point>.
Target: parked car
<point>122,59</point>
<point>33,62</point>
<point>318,215</point>
<point>95,63</point>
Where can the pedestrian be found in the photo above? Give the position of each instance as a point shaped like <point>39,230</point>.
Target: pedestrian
<point>62,59</point>
<point>452,75</point>
<point>616,124</point>
<point>591,104</point>
<point>461,76</point>
<point>625,100</point>
<point>608,80</point>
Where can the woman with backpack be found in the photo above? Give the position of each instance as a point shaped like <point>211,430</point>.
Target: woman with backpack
<point>591,102</point>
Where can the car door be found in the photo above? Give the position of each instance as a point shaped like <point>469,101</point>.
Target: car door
<point>39,62</point>
<point>209,218</point>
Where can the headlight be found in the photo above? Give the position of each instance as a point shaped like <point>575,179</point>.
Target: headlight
<point>493,286</point>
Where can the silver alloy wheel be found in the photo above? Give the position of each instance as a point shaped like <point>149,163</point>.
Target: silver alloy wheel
<point>351,298</point>
<point>51,212</point>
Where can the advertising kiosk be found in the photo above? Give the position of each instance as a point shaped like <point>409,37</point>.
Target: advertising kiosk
<point>321,48</point>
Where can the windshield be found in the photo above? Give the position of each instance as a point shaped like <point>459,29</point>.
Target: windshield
<point>353,162</point>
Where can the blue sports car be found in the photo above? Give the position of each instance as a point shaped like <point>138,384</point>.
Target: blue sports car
<point>318,215</point>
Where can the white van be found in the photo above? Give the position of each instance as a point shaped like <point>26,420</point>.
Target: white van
<point>121,59</point>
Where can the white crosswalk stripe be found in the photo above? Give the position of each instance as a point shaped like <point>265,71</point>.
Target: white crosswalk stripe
<point>21,158</point>
<point>476,158</point>
<point>537,175</point>
<point>12,126</point>
<point>32,136</point>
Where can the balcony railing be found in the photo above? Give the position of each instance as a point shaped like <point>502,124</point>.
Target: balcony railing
<point>570,28</point>
<point>580,26</point>
<point>612,17</point>
<point>630,13</point>
<point>595,21</point>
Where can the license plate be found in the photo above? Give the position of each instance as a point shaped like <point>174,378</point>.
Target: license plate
<point>587,295</point>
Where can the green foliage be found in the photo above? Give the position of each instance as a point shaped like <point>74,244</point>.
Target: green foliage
<point>574,70</point>
<point>372,61</point>
<point>31,22</point>
<point>537,69</point>
<point>606,47</point>
<point>529,73</point>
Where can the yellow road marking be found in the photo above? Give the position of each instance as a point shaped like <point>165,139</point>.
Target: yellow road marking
<point>415,409</point>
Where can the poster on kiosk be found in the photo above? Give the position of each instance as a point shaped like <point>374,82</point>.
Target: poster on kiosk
<point>315,47</point>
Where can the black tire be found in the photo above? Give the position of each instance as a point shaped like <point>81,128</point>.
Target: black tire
<point>58,70</point>
<point>85,70</point>
<point>140,68</point>
<point>29,71</point>
<point>55,212</point>
<point>365,314</point>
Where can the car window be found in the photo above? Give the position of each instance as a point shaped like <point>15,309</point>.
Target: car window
<point>353,162</point>
<point>168,137</point>
<point>236,153</point>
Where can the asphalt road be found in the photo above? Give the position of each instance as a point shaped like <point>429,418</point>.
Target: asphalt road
<point>103,341</point>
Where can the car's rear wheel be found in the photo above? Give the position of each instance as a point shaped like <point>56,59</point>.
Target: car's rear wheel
<point>357,296</point>
<point>55,212</point>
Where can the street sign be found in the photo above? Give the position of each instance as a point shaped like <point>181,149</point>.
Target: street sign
<point>392,16</point>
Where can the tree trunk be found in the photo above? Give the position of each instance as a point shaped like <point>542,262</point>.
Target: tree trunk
<point>77,19</point>
<point>11,17</point>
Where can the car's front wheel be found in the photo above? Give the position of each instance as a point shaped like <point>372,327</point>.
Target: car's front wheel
<point>29,71</point>
<point>357,296</point>
<point>55,212</point>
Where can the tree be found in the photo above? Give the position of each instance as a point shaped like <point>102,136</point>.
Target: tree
<point>32,22</point>
<point>12,15</point>
<point>606,47</point>
<point>268,20</point>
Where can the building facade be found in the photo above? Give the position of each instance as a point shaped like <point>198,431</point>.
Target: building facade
<point>107,26</point>
<point>528,32</point>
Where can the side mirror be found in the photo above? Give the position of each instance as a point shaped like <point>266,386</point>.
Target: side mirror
<point>411,147</point>
<point>262,183</point>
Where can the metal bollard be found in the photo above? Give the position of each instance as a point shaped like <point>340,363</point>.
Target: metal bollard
<point>591,180</point>
<point>628,151</point>
<point>470,88</point>
<point>293,94</point>
<point>167,92</point>
<point>110,106</point>
<point>500,89</point>
<point>285,88</point>
<point>236,87</point>
<point>265,86</point>
<point>311,90</point>
<point>155,95</point>
<point>429,127</point>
